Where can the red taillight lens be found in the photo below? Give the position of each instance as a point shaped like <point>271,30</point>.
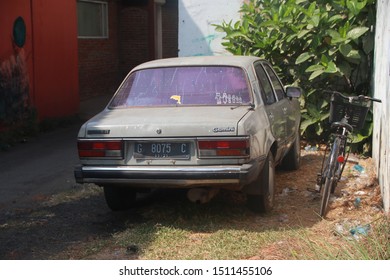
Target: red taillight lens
<point>223,148</point>
<point>225,144</point>
<point>101,149</point>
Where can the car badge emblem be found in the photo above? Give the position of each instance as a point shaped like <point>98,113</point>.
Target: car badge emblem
<point>224,129</point>
<point>158,131</point>
<point>98,131</point>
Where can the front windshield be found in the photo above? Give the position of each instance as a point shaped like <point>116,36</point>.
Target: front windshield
<point>175,86</point>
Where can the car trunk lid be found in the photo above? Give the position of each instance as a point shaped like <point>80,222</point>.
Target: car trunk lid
<point>166,122</point>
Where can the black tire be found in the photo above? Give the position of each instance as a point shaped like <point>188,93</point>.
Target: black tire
<point>330,175</point>
<point>338,175</point>
<point>292,159</point>
<point>119,198</point>
<point>264,202</point>
<point>340,166</point>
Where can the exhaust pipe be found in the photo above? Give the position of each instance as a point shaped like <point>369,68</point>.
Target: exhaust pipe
<point>201,195</point>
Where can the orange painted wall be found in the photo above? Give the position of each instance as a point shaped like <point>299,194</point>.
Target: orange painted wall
<point>50,52</point>
<point>54,27</point>
<point>9,11</point>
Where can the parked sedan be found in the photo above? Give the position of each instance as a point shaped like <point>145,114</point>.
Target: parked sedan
<point>200,123</point>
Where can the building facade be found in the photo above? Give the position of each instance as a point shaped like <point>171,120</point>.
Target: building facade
<point>54,53</point>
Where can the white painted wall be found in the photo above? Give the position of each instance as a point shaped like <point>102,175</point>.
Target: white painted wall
<point>197,36</point>
<point>381,136</point>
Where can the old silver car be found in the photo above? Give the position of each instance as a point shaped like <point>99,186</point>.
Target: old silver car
<point>200,123</point>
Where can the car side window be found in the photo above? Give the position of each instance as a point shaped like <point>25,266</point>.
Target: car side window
<point>278,87</point>
<point>265,85</point>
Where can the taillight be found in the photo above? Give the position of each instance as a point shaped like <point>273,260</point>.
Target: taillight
<point>100,149</point>
<point>224,148</point>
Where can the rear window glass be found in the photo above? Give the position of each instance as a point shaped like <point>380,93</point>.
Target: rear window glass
<point>175,86</point>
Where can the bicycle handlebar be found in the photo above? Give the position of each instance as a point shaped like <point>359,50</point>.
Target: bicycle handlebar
<point>359,97</point>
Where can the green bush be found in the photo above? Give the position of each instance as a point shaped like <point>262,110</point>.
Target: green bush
<point>323,44</point>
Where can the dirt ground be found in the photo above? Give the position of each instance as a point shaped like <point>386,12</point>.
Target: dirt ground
<point>356,203</point>
<point>56,227</point>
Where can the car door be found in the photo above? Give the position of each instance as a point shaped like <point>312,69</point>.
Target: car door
<point>273,107</point>
<point>287,108</point>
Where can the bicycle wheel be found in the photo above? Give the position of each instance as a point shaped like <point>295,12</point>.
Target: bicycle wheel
<point>330,179</point>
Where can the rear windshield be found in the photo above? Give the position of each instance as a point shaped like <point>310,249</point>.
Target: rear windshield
<point>175,86</point>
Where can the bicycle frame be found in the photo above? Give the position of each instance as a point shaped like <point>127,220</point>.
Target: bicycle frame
<point>344,152</point>
<point>346,113</point>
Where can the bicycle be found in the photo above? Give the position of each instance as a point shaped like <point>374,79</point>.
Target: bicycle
<point>346,114</point>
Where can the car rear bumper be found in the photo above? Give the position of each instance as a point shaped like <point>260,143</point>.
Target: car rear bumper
<point>231,177</point>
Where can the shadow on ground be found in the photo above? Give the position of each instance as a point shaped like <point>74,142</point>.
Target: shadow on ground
<point>52,227</point>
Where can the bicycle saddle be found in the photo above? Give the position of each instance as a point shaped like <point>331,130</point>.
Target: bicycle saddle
<point>342,124</point>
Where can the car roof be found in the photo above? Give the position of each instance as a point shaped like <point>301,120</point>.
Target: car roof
<point>228,60</point>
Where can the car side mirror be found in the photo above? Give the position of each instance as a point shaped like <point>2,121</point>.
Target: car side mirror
<point>293,92</point>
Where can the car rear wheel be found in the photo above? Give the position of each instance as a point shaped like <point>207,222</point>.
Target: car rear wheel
<point>292,160</point>
<point>263,203</point>
<point>119,198</point>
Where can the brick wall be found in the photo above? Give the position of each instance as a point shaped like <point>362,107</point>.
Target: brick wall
<point>134,38</point>
<point>99,60</point>
<point>103,63</point>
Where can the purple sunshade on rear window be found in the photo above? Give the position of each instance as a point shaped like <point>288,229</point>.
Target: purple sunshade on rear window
<point>175,86</point>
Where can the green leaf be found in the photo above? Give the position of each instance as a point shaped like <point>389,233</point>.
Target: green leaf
<point>325,116</point>
<point>303,57</point>
<point>355,6</point>
<point>344,40</point>
<point>336,18</point>
<point>219,28</point>
<point>315,20</point>
<point>357,32</point>
<point>237,34</point>
<point>268,23</point>
<point>354,54</point>
<point>345,49</point>
<point>310,92</point>
<point>315,74</point>
<point>332,68</point>
<point>313,68</point>
<point>324,59</point>
<point>311,9</point>
<point>333,33</point>
<point>290,38</point>
<point>302,33</point>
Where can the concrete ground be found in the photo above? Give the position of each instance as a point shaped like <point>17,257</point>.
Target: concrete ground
<point>44,164</point>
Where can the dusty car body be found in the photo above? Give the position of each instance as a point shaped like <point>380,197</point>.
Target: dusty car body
<point>202,123</point>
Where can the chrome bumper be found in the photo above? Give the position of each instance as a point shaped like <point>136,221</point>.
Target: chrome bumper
<point>232,177</point>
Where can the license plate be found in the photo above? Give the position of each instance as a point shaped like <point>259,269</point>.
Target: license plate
<point>162,150</point>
